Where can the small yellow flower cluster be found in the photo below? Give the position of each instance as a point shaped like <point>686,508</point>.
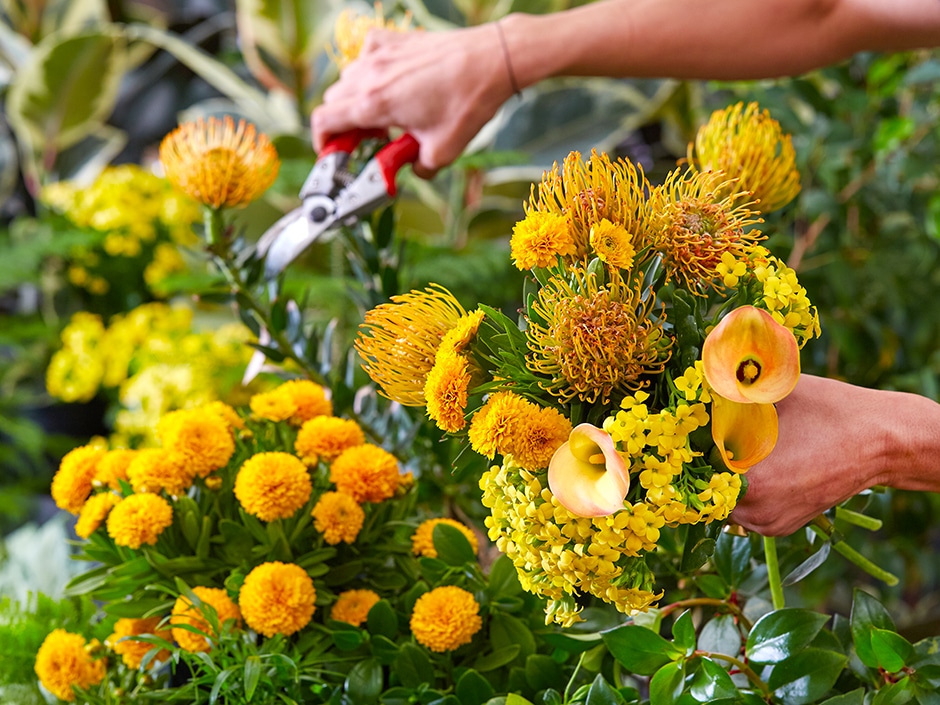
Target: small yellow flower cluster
<point>720,496</point>
<point>141,215</point>
<point>783,296</point>
<point>338,517</point>
<point>558,554</point>
<point>273,485</point>
<point>349,32</point>
<point>75,372</point>
<point>65,660</point>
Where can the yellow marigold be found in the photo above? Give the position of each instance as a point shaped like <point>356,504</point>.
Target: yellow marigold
<point>596,341</point>
<point>272,406</point>
<point>139,519</point>
<point>131,650</point>
<point>203,440</point>
<point>338,517</point>
<point>309,400</point>
<point>351,29</point>
<point>65,660</point>
<point>697,217</point>
<point>745,142</point>
<point>156,469</point>
<point>94,512</point>
<point>538,436</point>
<point>277,598</point>
<point>446,390</point>
<point>493,427</point>
<point>325,437</point>
<point>72,482</point>
<point>352,606</point>
<point>273,485</point>
<point>459,337</point>
<point>218,163</point>
<point>445,618</point>
<point>398,341</point>
<point>186,614</point>
<point>613,244</point>
<point>112,468</point>
<point>539,239</point>
<point>422,540</point>
<point>366,473</point>
<point>226,412</point>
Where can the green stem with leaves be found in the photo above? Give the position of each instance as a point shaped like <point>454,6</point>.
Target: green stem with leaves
<point>743,668</point>
<point>824,529</point>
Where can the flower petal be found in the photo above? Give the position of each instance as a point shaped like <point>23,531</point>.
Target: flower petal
<point>750,358</point>
<point>587,474</point>
<point>744,434</point>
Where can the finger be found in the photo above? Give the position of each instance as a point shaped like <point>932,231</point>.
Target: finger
<point>377,38</point>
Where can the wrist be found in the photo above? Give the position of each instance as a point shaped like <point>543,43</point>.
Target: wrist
<point>909,442</point>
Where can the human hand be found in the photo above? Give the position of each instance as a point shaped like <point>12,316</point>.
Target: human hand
<point>442,87</point>
<point>836,440</point>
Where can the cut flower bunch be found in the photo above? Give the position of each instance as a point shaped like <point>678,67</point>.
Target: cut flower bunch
<point>637,386</point>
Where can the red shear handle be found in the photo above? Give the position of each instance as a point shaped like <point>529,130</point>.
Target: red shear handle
<point>394,156</point>
<point>347,141</point>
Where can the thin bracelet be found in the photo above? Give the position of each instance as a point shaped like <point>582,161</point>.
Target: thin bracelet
<point>512,74</point>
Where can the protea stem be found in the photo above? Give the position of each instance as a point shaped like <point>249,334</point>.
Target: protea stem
<point>773,572</point>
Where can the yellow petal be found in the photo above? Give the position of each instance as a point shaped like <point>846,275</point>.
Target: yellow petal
<point>750,358</point>
<point>744,434</point>
<point>587,474</point>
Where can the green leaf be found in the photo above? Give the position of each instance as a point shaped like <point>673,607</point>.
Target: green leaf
<point>895,694</point>
<point>867,613</point>
<point>854,697</point>
<point>382,620</point>
<point>667,683</point>
<point>413,666</point>
<point>452,546</point>
<point>503,580</point>
<point>683,632</point>
<point>219,682</point>
<point>348,639</point>
<point>364,682</point>
<point>809,565</point>
<point>640,650</point>
<point>720,635</point>
<point>473,689</point>
<point>712,682</point>
<point>289,30</point>
<point>385,650</point>
<point>779,635</point>
<point>506,630</point>
<point>891,649</point>
<point>542,672</point>
<point>252,675</point>
<point>806,676</point>
<point>601,693</point>
<point>732,558</point>
<point>497,658</point>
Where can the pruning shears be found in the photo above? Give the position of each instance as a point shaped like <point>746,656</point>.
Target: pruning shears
<point>333,196</point>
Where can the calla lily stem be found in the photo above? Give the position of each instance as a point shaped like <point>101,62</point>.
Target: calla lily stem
<point>773,572</point>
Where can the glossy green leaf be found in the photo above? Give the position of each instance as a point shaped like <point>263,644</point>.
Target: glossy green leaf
<point>506,630</point>
<point>780,634</point>
<point>413,666</point>
<point>683,632</point>
<point>452,546</point>
<point>895,694</point>
<point>732,558</point>
<point>601,693</point>
<point>891,649</point>
<point>720,635</point>
<point>712,682</point>
<point>382,620</point>
<point>809,565</point>
<point>667,683</point>
<point>867,613</point>
<point>503,579</point>
<point>854,697</point>
<point>348,639</point>
<point>806,676</point>
<point>473,689</point>
<point>364,682</point>
<point>384,649</point>
<point>640,650</point>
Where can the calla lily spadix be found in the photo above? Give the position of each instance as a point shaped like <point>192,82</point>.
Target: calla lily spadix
<point>587,474</point>
<point>750,358</point>
<point>744,434</point>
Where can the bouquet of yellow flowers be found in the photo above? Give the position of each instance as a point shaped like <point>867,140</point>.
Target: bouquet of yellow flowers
<point>637,385</point>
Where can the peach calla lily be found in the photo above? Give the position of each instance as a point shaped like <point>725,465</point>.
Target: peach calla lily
<point>744,434</point>
<point>750,358</point>
<point>587,474</point>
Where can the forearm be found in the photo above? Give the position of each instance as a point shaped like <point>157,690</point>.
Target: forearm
<point>911,459</point>
<point>721,39</point>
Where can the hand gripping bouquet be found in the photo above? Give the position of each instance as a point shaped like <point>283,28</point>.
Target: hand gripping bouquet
<point>638,384</point>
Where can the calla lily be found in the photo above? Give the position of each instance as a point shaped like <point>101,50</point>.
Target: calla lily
<point>744,434</point>
<point>750,358</point>
<point>587,474</point>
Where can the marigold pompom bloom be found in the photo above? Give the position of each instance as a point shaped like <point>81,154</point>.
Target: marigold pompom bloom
<point>445,618</point>
<point>73,481</point>
<point>366,473</point>
<point>112,468</point>
<point>277,598</point>
<point>493,428</point>
<point>131,650</point>
<point>156,469</point>
<point>338,517</point>
<point>325,437</point>
<point>218,163</point>
<point>745,142</point>
<point>139,519</point>
<point>613,244</point>
<point>539,239</point>
<point>273,485</point>
<point>398,341</point>
<point>353,606</point>
<point>309,399</point>
<point>202,439</point>
<point>65,660</point>
<point>422,540</point>
<point>351,29</point>
<point>272,406</point>
<point>539,434</point>
<point>94,513</point>
<point>458,338</point>
<point>446,390</point>
<point>185,613</point>
<point>226,412</point>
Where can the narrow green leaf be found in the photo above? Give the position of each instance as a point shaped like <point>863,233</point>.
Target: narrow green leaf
<point>640,650</point>
<point>806,676</point>
<point>252,675</point>
<point>497,658</point>
<point>779,635</point>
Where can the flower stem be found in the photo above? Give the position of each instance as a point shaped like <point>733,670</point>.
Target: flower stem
<point>773,572</point>
<point>742,667</point>
<point>824,528</point>
<point>212,221</point>
<point>705,602</point>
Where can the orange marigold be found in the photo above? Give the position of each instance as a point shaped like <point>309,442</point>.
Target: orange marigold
<point>186,614</point>
<point>538,436</point>
<point>338,517</point>
<point>366,473</point>
<point>273,485</point>
<point>131,650</point>
<point>64,660</point>
<point>325,437</point>
<point>446,390</point>
<point>445,618</point>
<point>277,598</point>
<point>493,427</point>
<point>139,519</point>
<point>203,440</point>
<point>272,406</point>
<point>309,400</point>
<point>73,481</point>
<point>94,512</point>
<point>112,468</point>
<point>156,469</point>
<point>353,606</point>
<point>422,540</point>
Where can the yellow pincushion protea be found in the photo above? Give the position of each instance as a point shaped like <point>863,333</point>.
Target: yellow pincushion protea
<point>747,144</point>
<point>218,163</point>
<point>351,29</point>
<point>64,660</point>
<point>186,614</point>
<point>131,650</point>
<point>352,606</point>
<point>277,598</point>
<point>338,517</point>
<point>367,473</point>
<point>445,618</point>
<point>139,519</point>
<point>422,540</point>
<point>273,485</point>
